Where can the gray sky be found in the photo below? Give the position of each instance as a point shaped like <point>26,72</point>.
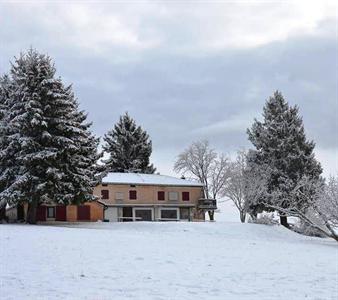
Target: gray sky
<point>188,70</point>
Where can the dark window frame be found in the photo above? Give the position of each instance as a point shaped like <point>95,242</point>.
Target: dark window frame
<point>165,211</point>
<point>162,197</point>
<point>105,194</point>
<point>185,196</point>
<point>132,195</point>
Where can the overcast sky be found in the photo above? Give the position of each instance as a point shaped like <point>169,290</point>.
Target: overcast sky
<point>188,70</point>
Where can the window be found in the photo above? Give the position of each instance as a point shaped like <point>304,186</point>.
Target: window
<point>119,196</point>
<point>169,213</point>
<point>127,214</point>
<point>143,214</point>
<point>51,212</point>
<point>185,196</point>
<point>132,185</point>
<point>132,195</point>
<point>173,196</point>
<point>160,196</point>
<point>104,194</point>
<point>104,184</point>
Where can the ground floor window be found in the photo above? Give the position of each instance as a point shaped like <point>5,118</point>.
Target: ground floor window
<point>169,213</point>
<point>50,212</point>
<point>127,214</point>
<point>143,214</point>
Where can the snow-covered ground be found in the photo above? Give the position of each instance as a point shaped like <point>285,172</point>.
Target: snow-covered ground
<point>165,261</point>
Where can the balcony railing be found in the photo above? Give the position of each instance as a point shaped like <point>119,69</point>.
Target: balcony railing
<point>207,204</point>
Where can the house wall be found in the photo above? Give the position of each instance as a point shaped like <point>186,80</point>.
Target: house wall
<point>96,212</point>
<point>71,213</point>
<point>148,194</point>
<point>12,214</point>
<point>111,214</point>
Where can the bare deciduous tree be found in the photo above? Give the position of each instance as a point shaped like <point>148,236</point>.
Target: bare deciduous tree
<point>255,187</point>
<point>327,202</point>
<point>219,175</point>
<point>197,161</point>
<point>321,211</point>
<point>202,162</point>
<point>234,186</point>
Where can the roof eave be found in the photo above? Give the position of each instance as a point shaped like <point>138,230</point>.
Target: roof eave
<point>153,184</point>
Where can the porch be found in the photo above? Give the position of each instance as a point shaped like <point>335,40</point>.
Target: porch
<point>147,213</point>
<point>207,204</point>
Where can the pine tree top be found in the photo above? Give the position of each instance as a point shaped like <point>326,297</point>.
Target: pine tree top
<point>128,146</point>
<point>281,139</point>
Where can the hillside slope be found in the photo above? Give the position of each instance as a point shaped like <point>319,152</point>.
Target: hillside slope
<point>165,261</point>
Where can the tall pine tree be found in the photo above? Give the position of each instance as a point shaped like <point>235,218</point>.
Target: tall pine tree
<point>52,150</point>
<point>281,145</point>
<point>4,161</point>
<point>128,148</point>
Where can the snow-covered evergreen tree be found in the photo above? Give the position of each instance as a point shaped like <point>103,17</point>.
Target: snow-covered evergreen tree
<point>54,153</point>
<point>281,145</point>
<point>4,161</point>
<point>128,148</point>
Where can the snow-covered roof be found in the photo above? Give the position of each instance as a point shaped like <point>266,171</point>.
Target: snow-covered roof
<point>147,179</point>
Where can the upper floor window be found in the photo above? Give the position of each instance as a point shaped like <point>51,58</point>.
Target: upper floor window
<point>173,196</point>
<point>119,196</point>
<point>185,196</point>
<point>104,194</point>
<point>160,195</point>
<point>132,195</point>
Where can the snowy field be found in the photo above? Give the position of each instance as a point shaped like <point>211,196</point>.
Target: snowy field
<point>221,260</point>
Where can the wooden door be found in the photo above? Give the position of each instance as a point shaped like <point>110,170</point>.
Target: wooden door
<point>83,213</point>
<point>41,213</point>
<point>61,213</point>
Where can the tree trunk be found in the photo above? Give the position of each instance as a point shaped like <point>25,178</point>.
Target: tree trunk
<point>333,235</point>
<point>211,215</point>
<point>31,212</point>
<point>253,216</point>
<point>284,221</point>
<point>3,214</point>
<point>242,216</point>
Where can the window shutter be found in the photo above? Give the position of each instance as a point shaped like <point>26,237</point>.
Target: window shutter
<point>185,196</point>
<point>160,196</point>
<point>104,194</point>
<point>132,195</point>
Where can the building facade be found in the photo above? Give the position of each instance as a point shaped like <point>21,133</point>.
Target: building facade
<point>89,211</point>
<point>123,197</point>
<point>150,197</point>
